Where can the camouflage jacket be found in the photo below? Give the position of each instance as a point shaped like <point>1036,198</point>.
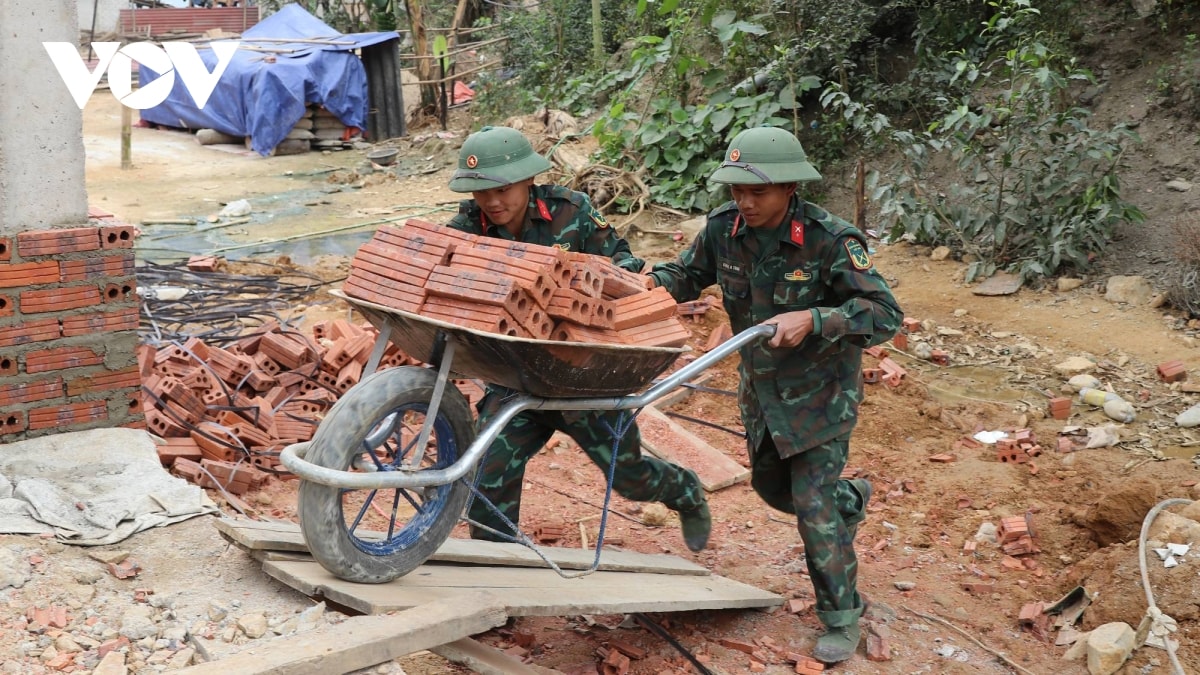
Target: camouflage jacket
<point>806,395</point>
<point>556,217</point>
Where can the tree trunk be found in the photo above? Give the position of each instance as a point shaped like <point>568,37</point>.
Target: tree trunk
<point>429,92</point>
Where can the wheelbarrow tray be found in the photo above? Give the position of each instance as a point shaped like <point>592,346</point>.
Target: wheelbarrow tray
<point>542,368</point>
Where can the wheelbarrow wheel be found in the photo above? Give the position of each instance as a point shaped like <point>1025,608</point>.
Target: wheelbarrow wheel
<point>375,536</point>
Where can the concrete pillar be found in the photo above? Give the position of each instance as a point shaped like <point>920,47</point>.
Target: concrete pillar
<point>41,140</point>
<point>68,307</point>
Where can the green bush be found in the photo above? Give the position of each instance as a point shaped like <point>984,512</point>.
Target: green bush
<point>1037,189</point>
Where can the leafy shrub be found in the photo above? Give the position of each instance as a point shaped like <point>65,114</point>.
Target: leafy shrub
<point>1037,189</point>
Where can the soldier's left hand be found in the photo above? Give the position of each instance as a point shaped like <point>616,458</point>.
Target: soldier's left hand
<point>790,328</point>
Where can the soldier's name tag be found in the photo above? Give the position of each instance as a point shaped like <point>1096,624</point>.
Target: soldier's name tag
<point>858,255</point>
<point>730,266</point>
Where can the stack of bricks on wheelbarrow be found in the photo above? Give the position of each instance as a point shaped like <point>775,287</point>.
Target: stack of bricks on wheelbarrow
<point>241,403</point>
<point>68,328</point>
<point>511,288</point>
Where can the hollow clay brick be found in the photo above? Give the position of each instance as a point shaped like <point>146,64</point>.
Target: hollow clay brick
<point>416,225</point>
<point>37,330</point>
<point>53,242</point>
<point>119,291</point>
<point>569,305</point>
<point>642,308</point>
<point>1172,371</point>
<point>586,279</point>
<point>108,380</point>
<point>5,249</point>
<point>12,421</point>
<point>90,269</point>
<point>117,236</point>
<point>488,318</point>
<point>28,392</point>
<point>434,248</point>
<point>14,275</point>
<point>570,332</point>
<point>203,263</point>
<point>56,417</point>
<point>60,358</point>
<point>380,291</point>
<point>102,322</point>
<point>8,305</point>
<point>59,299</point>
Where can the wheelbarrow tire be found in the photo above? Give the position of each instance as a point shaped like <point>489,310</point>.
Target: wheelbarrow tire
<point>336,443</point>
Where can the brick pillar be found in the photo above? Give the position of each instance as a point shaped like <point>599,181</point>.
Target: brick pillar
<point>68,311</point>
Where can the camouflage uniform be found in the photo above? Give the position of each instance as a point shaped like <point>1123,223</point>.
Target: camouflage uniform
<point>564,218</point>
<point>799,404</point>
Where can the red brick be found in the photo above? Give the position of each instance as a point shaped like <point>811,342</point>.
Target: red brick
<point>900,341</point>
<point>1172,371</point>
<point>13,275</point>
<point>912,325</point>
<point>877,643</point>
<point>381,290</point>
<point>106,381</point>
<point>430,247</point>
<point>7,305</point>
<point>940,357</point>
<point>8,366</point>
<point>417,226</point>
<point>718,337</point>
<point>540,284</point>
<point>215,442</point>
<point>176,448</point>
<point>392,263</point>
<point>28,392</point>
<point>91,269</point>
<point>571,332</point>
<point>1012,528</point>
<point>67,414</point>
<point>872,375</point>
<point>482,287</point>
<point>643,308</point>
<point>121,291</point>
<point>203,263</point>
<point>61,358</point>
<point>12,422</point>
<point>100,214</point>
<point>489,318</point>
<point>5,249</point>
<point>52,242</point>
<point>586,279</point>
<point>349,376</point>
<point>667,332</point>
<point>117,236</point>
<point>101,322</point>
<point>59,299</point>
<point>569,305</point>
<point>1060,408</point>
<point>196,348</point>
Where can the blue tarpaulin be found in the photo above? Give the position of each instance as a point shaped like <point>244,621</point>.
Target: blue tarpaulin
<point>264,94</point>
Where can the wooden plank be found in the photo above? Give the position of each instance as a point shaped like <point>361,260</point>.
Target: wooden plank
<point>364,641</point>
<point>286,537</point>
<point>665,439</point>
<point>486,660</point>
<point>528,592</point>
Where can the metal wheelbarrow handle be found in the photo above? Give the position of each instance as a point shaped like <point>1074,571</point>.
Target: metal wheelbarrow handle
<point>292,456</point>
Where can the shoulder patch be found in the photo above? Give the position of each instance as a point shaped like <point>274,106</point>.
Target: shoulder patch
<point>598,218</point>
<point>858,255</point>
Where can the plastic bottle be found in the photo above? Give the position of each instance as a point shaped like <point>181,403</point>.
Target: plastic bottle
<point>1097,397</point>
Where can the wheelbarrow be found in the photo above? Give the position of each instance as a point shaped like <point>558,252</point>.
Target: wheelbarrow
<point>389,470</point>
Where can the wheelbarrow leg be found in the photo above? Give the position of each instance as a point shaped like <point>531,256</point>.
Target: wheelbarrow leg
<point>439,387</point>
<point>381,343</point>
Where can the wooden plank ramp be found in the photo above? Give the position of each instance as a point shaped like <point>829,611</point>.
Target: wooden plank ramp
<point>664,438</point>
<point>286,537</point>
<point>527,591</point>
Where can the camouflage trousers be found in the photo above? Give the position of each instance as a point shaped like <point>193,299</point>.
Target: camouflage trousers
<point>637,477</point>
<point>808,486</point>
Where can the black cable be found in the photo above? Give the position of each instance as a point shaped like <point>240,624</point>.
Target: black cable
<point>662,633</point>
<point>714,425</point>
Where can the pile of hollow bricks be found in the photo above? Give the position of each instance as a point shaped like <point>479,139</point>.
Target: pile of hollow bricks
<point>68,328</point>
<point>511,288</point>
<point>225,412</point>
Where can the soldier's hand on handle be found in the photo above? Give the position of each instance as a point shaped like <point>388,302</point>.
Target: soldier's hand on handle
<point>790,328</point>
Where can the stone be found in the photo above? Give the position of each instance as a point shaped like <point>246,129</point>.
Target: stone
<point>1000,283</point>
<point>137,623</point>
<point>654,515</point>
<point>1078,650</point>
<point>1067,284</point>
<point>311,618</point>
<point>1144,8</point>
<point>109,557</point>
<point>1179,185</point>
<point>113,663</point>
<point>940,253</point>
<point>181,659</point>
<point>1171,527</point>
<point>1076,365</point>
<point>1129,290</point>
<point>1108,647</point>
<point>14,569</point>
<point>1084,381</point>
<point>253,625</point>
<point>1189,418</point>
<point>216,611</point>
<point>905,585</point>
<point>65,643</point>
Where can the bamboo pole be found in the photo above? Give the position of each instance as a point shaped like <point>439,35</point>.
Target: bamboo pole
<point>126,137</point>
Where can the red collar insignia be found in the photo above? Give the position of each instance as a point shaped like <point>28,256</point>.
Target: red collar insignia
<point>737,222</point>
<point>544,210</point>
<point>797,232</point>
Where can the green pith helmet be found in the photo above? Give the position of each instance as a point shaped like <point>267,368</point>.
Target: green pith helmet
<point>494,157</point>
<point>765,155</point>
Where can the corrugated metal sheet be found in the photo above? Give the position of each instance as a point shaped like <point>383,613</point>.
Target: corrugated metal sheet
<point>163,21</point>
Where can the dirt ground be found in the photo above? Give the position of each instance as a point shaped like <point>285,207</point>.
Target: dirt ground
<point>1002,352</point>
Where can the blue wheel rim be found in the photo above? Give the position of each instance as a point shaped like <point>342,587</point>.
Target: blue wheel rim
<point>428,502</point>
